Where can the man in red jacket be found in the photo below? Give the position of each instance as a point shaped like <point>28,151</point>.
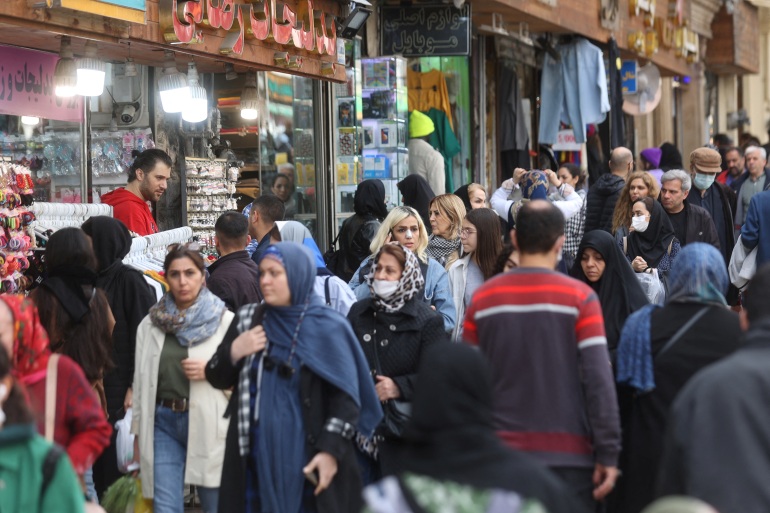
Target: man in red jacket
<point>147,179</point>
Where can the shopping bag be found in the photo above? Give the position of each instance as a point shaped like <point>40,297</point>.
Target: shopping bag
<point>652,286</point>
<point>141,505</point>
<point>124,444</point>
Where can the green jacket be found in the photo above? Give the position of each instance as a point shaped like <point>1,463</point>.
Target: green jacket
<point>22,452</point>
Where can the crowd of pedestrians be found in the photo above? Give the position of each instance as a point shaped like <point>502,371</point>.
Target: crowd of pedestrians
<point>568,347</point>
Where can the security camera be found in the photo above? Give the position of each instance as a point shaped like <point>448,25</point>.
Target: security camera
<point>127,114</point>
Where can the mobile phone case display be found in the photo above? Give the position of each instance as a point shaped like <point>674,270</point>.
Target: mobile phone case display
<point>210,186</point>
<point>349,133</point>
<point>301,206</point>
<point>384,103</point>
<point>16,237</point>
<point>110,154</point>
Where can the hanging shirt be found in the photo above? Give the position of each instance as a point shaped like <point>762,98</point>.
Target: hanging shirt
<point>444,140</point>
<point>428,90</point>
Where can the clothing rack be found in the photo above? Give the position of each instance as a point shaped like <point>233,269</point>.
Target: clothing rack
<point>152,249</point>
<point>51,216</point>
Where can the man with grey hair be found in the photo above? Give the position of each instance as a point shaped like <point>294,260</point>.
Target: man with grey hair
<point>691,223</point>
<point>752,182</point>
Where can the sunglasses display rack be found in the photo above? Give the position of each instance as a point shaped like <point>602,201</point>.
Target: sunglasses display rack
<point>16,236</point>
<point>209,192</point>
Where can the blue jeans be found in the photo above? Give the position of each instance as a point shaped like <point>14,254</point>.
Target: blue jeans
<point>170,447</point>
<point>88,477</point>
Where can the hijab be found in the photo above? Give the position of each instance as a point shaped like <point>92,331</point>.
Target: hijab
<point>31,348</point>
<point>67,284</point>
<point>698,275</point>
<point>670,158</point>
<point>534,186</point>
<point>654,242</point>
<point>111,241</point>
<point>294,231</point>
<point>370,199</point>
<point>417,194</point>
<point>618,289</point>
<point>463,194</point>
<point>410,283</point>
<point>452,434</point>
<point>322,340</point>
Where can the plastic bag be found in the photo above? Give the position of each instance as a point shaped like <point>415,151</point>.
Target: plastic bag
<point>652,287</point>
<point>124,444</point>
<point>141,505</point>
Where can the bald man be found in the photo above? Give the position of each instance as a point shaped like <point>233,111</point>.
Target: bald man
<point>604,194</point>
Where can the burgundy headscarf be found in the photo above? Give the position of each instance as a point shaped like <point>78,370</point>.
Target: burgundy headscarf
<point>31,348</point>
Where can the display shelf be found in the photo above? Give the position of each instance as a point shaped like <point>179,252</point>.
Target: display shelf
<point>209,192</point>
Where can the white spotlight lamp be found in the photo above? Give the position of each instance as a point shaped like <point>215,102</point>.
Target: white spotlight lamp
<point>65,76</point>
<point>250,98</point>
<point>91,72</point>
<point>174,92</point>
<point>197,109</point>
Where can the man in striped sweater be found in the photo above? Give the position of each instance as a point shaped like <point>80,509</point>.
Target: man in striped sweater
<point>543,334</point>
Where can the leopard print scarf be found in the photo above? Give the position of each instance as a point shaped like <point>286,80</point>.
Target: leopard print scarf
<point>409,285</point>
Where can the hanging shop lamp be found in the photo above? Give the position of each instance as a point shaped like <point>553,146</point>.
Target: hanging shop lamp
<point>65,76</point>
<point>174,92</point>
<point>197,109</point>
<point>250,97</point>
<point>91,72</point>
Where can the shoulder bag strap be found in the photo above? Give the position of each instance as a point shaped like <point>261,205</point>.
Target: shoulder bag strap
<point>51,376</point>
<point>625,245</point>
<point>684,329</point>
<point>326,291</point>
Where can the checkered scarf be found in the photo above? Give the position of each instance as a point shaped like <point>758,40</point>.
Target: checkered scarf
<point>245,316</point>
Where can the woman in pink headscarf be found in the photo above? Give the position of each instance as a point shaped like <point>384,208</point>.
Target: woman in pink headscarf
<point>651,162</point>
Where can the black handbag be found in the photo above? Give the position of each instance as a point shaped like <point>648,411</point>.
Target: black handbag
<point>397,412</point>
<point>334,259</point>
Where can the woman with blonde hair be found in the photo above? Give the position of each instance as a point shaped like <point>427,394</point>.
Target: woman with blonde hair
<point>473,195</point>
<point>640,184</point>
<point>405,227</point>
<point>446,217</point>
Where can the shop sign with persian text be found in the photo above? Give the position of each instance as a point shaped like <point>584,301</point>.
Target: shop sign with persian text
<point>303,27</point>
<point>425,30</point>
<point>26,86</point>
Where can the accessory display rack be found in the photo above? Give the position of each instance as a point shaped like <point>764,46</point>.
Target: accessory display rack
<point>16,236</point>
<point>209,192</point>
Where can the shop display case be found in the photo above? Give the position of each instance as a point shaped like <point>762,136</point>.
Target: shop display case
<point>302,205</point>
<point>348,133</point>
<point>384,123</point>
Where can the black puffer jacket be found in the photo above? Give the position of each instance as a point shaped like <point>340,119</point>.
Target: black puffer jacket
<point>601,201</point>
<point>358,231</point>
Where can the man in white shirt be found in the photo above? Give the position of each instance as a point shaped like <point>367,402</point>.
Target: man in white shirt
<point>424,160</point>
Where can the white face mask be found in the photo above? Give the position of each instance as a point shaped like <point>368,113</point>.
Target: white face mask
<point>639,223</point>
<point>384,289</point>
<point>3,393</point>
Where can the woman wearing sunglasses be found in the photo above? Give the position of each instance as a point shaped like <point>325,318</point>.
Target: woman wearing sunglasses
<point>302,390</point>
<point>178,417</point>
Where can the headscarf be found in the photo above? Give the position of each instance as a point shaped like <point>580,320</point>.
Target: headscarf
<point>31,348</point>
<point>294,231</point>
<point>652,155</point>
<point>410,283</point>
<point>452,435</point>
<point>534,186</point>
<point>417,194</point>
<point>670,157</point>
<point>370,199</point>
<point>654,242</point>
<point>463,194</point>
<point>618,289</point>
<point>325,344</point>
<point>67,285</point>
<point>196,324</point>
<point>698,275</point>
<point>111,240</point>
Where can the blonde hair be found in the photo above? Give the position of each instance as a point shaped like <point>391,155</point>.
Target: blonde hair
<point>454,208</point>
<point>622,215</point>
<point>477,187</point>
<point>394,217</point>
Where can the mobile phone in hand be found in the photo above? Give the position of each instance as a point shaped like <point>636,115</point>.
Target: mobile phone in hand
<point>312,476</point>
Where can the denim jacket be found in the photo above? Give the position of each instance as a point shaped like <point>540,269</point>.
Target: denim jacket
<point>437,291</point>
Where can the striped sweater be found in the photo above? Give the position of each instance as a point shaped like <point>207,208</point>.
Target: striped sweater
<point>554,395</point>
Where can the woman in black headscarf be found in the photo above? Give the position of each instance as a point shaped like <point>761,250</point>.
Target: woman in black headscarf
<point>651,243</point>
<point>130,298</point>
<point>451,439</point>
<point>417,194</point>
<point>359,230</point>
<point>600,263</point>
<point>670,157</point>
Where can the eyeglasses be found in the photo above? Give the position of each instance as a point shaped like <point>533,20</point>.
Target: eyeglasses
<point>466,232</point>
<point>190,246</point>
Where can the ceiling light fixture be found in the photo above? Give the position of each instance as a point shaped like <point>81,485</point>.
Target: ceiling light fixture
<point>197,109</point>
<point>250,97</point>
<point>230,73</point>
<point>130,69</point>
<point>65,76</point>
<point>174,92</point>
<point>91,72</point>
